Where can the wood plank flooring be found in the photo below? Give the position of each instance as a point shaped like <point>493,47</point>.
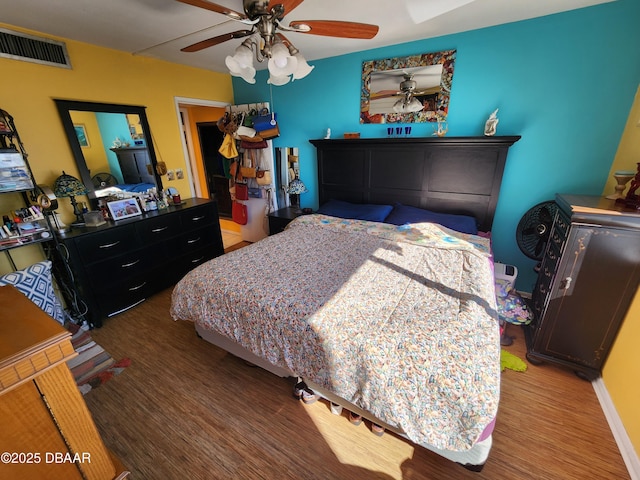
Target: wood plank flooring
<point>185,409</point>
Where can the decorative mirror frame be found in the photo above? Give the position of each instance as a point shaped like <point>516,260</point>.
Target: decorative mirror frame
<point>445,57</point>
<point>65,107</point>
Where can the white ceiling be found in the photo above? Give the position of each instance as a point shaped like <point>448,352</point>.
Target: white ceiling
<point>160,28</point>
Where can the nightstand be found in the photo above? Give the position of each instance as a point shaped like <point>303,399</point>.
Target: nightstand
<point>279,219</point>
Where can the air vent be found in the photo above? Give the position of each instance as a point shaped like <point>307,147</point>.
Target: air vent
<point>28,48</point>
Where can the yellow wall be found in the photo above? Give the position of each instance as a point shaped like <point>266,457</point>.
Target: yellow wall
<point>98,75</point>
<point>622,370</point>
<point>94,155</point>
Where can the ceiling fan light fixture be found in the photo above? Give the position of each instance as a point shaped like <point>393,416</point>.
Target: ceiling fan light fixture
<point>281,63</point>
<point>405,105</point>
<point>303,69</point>
<point>285,63</point>
<point>278,81</point>
<point>241,63</point>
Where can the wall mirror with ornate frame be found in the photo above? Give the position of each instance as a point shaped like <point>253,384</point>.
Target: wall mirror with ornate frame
<point>112,147</point>
<point>407,89</point>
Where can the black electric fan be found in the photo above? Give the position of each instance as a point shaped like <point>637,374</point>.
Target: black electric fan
<point>534,228</point>
<point>103,180</point>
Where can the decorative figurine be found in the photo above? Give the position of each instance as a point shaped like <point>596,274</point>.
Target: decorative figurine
<point>328,134</point>
<point>442,128</point>
<point>491,124</point>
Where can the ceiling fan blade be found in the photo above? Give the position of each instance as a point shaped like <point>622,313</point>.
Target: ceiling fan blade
<point>214,7</point>
<point>428,91</point>
<point>335,28</point>
<point>288,5</point>
<point>210,42</point>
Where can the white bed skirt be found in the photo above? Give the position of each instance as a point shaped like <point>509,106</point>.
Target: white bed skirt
<point>476,456</point>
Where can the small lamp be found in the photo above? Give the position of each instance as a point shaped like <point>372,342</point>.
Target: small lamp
<point>295,188</point>
<point>68,186</point>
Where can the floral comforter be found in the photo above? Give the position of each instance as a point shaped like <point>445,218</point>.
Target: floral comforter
<point>400,321</point>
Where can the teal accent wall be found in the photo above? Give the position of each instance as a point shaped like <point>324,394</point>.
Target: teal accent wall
<point>564,82</point>
<point>112,126</point>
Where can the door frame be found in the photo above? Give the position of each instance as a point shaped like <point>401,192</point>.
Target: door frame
<point>187,140</point>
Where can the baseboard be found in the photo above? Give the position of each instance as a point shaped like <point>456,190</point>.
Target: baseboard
<point>627,450</point>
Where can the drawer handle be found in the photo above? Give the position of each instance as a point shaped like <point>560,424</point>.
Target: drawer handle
<point>133,289</point>
<point>197,260</point>
<point>194,240</point>
<point>197,219</point>
<point>565,283</point>
<point>131,264</point>
<point>158,230</point>
<point>109,245</point>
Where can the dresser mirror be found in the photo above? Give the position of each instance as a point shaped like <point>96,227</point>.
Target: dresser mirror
<point>407,89</point>
<point>112,147</point>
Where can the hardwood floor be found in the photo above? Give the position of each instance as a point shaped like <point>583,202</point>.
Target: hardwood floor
<point>185,409</point>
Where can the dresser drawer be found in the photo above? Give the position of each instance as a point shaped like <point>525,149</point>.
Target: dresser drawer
<point>158,229</point>
<point>107,243</point>
<point>120,296</point>
<point>198,217</point>
<point>116,269</point>
<point>196,239</point>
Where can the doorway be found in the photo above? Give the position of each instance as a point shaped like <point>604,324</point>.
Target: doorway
<point>210,138</point>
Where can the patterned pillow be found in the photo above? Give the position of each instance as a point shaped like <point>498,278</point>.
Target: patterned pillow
<point>35,283</point>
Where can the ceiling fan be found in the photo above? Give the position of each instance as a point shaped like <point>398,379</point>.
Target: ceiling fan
<point>408,88</point>
<point>408,91</point>
<point>264,16</point>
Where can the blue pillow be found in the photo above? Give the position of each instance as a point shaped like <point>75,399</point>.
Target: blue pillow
<point>35,283</point>
<point>403,214</point>
<point>355,211</point>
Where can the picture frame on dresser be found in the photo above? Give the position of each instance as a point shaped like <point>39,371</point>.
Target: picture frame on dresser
<point>126,208</point>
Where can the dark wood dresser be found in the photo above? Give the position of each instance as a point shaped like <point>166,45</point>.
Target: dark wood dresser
<point>118,265</point>
<point>588,277</point>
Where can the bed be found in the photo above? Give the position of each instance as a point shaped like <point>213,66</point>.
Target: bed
<point>387,315</point>
<point>124,188</point>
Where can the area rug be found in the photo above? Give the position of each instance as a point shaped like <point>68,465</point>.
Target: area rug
<point>93,366</point>
<point>510,361</point>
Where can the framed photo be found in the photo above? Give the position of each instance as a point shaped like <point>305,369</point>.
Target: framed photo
<point>81,133</point>
<point>125,208</point>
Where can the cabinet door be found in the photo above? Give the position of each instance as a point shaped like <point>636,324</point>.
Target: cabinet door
<point>143,164</point>
<point>28,430</point>
<point>595,282</point>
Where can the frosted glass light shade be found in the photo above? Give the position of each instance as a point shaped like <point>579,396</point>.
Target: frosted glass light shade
<point>303,69</point>
<point>278,81</point>
<point>402,106</point>
<point>241,64</point>
<point>281,63</point>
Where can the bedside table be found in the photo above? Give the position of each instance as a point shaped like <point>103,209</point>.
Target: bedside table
<point>279,219</point>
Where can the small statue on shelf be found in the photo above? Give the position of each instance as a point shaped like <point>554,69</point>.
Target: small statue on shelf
<point>491,124</point>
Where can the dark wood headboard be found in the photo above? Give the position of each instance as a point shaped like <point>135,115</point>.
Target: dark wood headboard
<point>450,174</point>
